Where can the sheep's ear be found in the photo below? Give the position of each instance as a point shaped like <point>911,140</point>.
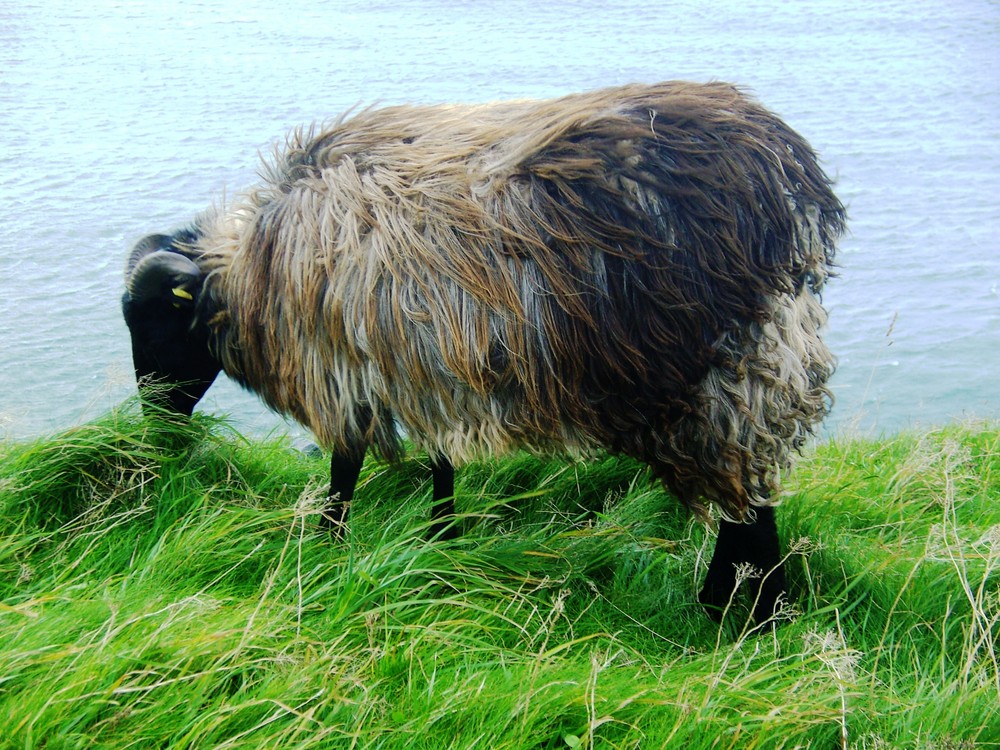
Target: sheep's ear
<point>159,275</point>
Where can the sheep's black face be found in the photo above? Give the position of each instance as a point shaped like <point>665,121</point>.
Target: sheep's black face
<point>173,364</point>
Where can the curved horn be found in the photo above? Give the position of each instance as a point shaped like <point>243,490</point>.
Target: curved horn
<point>144,247</point>
<point>162,274</point>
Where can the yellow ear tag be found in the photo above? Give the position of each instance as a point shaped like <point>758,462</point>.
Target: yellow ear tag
<point>181,292</point>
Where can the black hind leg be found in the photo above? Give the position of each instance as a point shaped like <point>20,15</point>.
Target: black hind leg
<point>755,544</point>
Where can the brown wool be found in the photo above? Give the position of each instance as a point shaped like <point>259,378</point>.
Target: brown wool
<point>634,269</point>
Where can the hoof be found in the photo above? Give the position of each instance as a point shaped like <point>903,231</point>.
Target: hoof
<point>764,594</point>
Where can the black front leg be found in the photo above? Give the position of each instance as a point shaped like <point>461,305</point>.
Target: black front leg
<point>755,544</point>
<point>443,510</point>
<point>344,471</point>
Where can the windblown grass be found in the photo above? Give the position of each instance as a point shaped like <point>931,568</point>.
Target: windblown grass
<point>167,586</point>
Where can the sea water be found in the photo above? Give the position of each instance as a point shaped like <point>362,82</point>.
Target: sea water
<point>120,118</point>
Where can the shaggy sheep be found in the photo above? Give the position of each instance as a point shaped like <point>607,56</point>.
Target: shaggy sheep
<point>634,269</point>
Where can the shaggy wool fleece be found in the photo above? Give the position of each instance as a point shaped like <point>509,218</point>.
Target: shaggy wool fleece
<point>634,269</point>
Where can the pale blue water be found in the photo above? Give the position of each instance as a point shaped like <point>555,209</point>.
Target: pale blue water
<point>122,118</point>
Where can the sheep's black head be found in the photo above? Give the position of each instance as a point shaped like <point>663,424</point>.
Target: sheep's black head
<point>173,364</point>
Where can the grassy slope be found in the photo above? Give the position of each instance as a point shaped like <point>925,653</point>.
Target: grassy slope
<point>170,589</point>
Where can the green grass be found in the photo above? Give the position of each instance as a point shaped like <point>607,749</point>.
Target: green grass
<point>169,587</point>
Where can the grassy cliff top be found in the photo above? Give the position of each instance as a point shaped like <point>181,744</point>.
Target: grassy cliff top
<point>169,587</point>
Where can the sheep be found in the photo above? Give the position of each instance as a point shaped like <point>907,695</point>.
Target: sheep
<point>635,270</point>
